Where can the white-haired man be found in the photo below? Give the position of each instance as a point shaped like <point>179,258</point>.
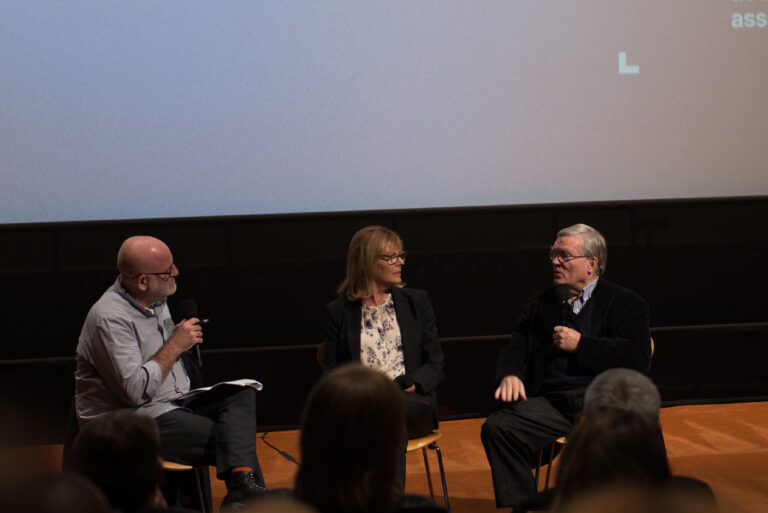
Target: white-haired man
<point>558,346</point>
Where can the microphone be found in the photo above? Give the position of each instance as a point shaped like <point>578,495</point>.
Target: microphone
<point>562,294</point>
<point>188,309</point>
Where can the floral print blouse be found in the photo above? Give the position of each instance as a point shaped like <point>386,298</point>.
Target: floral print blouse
<point>381,346</point>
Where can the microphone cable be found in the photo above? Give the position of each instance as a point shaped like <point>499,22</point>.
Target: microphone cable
<point>282,453</point>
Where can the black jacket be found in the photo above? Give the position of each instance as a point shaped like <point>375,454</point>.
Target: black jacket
<point>620,336</point>
<point>422,352</point>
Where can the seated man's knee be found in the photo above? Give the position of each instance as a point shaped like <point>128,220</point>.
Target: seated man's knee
<point>247,393</point>
<point>505,428</point>
<point>242,396</point>
<point>493,428</point>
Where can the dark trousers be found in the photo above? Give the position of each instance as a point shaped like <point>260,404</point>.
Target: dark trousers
<point>513,434</point>
<point>420,420</point>
<point>213,428</point>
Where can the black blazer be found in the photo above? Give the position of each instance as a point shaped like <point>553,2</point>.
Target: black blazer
<point>620,336</point>
<point>422,352</point>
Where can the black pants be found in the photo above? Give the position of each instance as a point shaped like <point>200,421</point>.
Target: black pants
<point>213,428</point>
<point>513,434</point>
<point>420,420</point>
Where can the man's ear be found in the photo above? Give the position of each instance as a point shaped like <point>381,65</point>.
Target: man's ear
<point>142,282</point>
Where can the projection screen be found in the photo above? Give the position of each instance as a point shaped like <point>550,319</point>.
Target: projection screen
<point>176,108</point>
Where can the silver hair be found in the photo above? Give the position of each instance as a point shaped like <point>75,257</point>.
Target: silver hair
<point>592,243</point>
<point>625,390</point>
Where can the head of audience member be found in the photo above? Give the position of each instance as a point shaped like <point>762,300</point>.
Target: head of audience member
<point>374,262</point>
<point>351,432</point>
<point>610,447</point>
<point>120,453</point>
<point>147,271</point>
<point>626,390</point>
<point>58,493</point>
<point>579,255</point>
<point>276,504</point>
<point>638,499</point>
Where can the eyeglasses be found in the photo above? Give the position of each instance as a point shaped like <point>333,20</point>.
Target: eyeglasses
<point>165,276</point>
<point>392,259</point>
<point>564,258</point>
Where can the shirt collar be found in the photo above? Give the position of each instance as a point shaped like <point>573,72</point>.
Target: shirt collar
<point>584,295</point>
<point>587,291</point>
<point>147,311</point>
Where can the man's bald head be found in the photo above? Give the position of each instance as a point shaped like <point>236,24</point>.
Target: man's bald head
<point>141,254</point>
<point>142,261</point>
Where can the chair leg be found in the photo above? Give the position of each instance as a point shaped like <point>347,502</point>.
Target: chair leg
<point>538,469</point>
<point>549,465</point>
<point>178,485</point>
<point>200,494</point>
<point>429,473</point>
<point>442,474</point>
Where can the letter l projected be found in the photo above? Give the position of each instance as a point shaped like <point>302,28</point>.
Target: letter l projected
<point>624,69</point>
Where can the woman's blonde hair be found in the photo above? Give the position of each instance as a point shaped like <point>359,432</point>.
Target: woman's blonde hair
<point>364,248</point>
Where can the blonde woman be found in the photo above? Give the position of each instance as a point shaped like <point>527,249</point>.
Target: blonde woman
<point>383,325</point>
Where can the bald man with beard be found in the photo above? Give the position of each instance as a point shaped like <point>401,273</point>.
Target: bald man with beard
<point>128,357</point>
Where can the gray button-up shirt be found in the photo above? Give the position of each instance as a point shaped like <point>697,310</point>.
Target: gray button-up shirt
<point>115,369</point>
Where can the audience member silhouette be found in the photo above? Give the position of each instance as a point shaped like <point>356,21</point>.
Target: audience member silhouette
<point>351,433</point>
<point>272,503</point>
<point>631,391</point>
<point>625,390</point>
<point>120,453</point>
<point>618,441</point>
<point>610,447</point>
<point>638,499</point>
<point>58,493</point>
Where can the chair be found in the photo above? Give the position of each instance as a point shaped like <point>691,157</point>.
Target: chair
<point>430,442</point>
<point>202,479</point>
<point>553,447</point>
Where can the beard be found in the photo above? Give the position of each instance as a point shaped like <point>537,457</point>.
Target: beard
<point>159,292</point>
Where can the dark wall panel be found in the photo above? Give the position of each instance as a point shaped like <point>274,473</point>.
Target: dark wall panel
<point>263,280</point>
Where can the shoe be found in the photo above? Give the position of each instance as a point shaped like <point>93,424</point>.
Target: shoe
<point>241,486</point>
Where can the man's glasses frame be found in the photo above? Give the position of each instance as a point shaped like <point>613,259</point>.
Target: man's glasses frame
<point>564,258</point>
<point>165,275</point>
